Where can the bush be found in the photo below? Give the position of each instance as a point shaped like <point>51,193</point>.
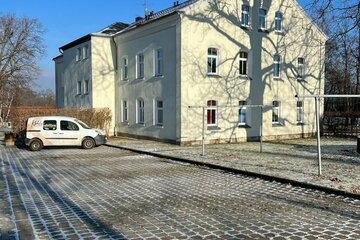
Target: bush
<point>96,118</point>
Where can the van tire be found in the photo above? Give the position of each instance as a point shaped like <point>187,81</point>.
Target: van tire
<point>88,143</point>
<point>36,145</point>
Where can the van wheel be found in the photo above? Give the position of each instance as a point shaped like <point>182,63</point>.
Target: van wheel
<point>36,145</point>
<point>88,143</point>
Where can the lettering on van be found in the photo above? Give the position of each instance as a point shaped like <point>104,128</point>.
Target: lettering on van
<point>36,123</point>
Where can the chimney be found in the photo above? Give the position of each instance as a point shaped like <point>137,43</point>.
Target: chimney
<point>137,19</point>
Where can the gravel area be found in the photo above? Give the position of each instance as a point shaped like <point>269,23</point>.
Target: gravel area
<point>291,159</point>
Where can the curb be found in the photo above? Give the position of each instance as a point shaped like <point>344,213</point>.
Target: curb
<point>243,172</point>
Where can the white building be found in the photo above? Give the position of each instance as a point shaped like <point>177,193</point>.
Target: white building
<point>222,54</point>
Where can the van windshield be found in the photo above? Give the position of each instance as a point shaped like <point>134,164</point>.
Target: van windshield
<point>82,124</point>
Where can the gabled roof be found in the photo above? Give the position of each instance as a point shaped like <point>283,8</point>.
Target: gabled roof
<point>151,16</point>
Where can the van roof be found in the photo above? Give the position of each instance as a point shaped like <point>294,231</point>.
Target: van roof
<point>54,117</point>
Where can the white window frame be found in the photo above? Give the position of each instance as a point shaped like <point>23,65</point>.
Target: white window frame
<point>78,54</point>
<point>125,68</point>
<point>277,66</point>
<point>140,111</point>
<point>299,112</point>
<point>243,60</point>
<point>211,108</point>
<point>157,112</point>
<point>245,16</point>
<point>78,87</point>
<point>276,111</point>
<point>86,86</point>
<point>242,113</point>
<point>85,52</point>
<point>124,111</point>
<point>278,21</point>
<point>159,62</point>
<point>210,58</point>
<point>140,66</point>
<point>262,19</point>
<point>300,68</point>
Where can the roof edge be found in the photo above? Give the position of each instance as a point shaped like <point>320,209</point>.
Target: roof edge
<point>76,42</point>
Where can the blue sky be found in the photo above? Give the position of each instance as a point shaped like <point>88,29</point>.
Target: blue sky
<point>65,21</point>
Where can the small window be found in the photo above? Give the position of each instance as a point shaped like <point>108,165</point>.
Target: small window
<point>125,69</point>
<point>78,89</point>
<point>49,125</point>
<point>245,15</point>
<point>301,69</point>
<point>212,113</point>
<point>140,66</point>
<point>277,66</point>
<point>262,19</point>
<point>243,63</point>
<point>278,21</point>
<point>78,54</point>
<point>159,62</point>
<point>242,113</point>
<point>300,112</point>
<point>212,60</point>
<point>85,53</point>
<point>68,126</point>
<point>140,113</point>
<point>159,113</point>
<point>86,86</point>
<point>125,111</point>
<point>276,112</point>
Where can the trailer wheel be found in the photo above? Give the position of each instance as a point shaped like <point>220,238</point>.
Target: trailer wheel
<point>36,145</point>
<point>88,143</point>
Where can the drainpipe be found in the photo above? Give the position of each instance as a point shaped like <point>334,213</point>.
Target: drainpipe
<point>116,79</point>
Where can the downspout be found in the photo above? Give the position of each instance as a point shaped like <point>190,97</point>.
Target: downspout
<point>115,82</point>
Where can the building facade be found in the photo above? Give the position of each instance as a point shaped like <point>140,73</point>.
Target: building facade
<point>235,66</point>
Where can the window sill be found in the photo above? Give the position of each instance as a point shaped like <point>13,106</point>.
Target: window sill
<point>140,124</point>
<point>245,27</point>
<point>263,31</point>
<point>277,125</point>
<point>277,79</point>
<point>244,77</point>
<point>213,75</point>
<point>213,128</point>
<point>140,78</point>
<point>159,126</point>
<point>87,93</point>
<point>243,126</point>
<point>158,76</point>
<point>125,80</point>
<point>300,124</point>
<point>125,123</point>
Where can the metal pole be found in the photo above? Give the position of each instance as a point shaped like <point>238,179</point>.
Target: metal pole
<point>318,132</point>
<point>261,129</point>
<point>203,132</point>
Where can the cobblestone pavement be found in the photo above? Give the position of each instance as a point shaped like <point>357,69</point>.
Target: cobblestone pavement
<point>107,193</point>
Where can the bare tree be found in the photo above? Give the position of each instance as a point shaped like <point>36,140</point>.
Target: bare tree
<point>20,46</point>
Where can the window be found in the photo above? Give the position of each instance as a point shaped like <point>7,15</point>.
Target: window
<point>245,15</point>
<point>78,54</point>
<point>140,66</point>
<point>301,69</point>
<point>159,62</point>
<point>49,125</point>
<point>212,60</point>
<point>299,112</point>
<point>262,19</point>
<point>125,111</point>
<point>276,112</point>
<point>277,66</point>
<point>159,112</point>
<point>85,53</point>
<point>86,86</point>
<point>211,113</point>
<point>278,21</point>
<point>242,113</point>
<point>78,89</point>
<point>125,69</point>
<point>140,111</point>
<point>243,63</point>
<point>68,126</point>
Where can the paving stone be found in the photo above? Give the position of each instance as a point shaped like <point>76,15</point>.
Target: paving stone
<point>109,193</point>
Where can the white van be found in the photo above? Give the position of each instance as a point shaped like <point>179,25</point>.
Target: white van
<point>61,131</point>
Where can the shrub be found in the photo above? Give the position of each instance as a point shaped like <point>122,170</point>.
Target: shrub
<point>96,118</point>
